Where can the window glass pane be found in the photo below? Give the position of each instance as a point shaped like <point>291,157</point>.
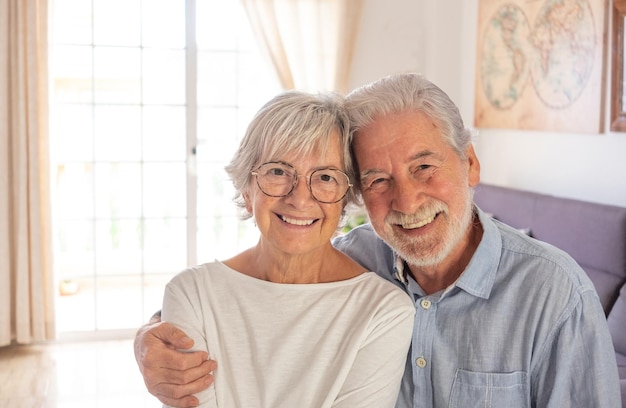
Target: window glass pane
<point>217,79</point>
<point>217,134</point>
<point>72,22</point>
<point>117,190</point>
<point>215,191</point>
<point>117,22</point>
<point>71,137</point>
<point>164,190</point>
<point>75,312</point>
<point>163,24</point>
<point>223,237</point>
<point>165,249</point>
<point>117,133</point>
<point>119,303</point>
<point>72,70</point>
<point>164,133</point>
<point>75,249</point>
<point>154,288</point>
<point>164,76</point>
<point>217,24</point>
<point>118,246</point>
<point>73,185</point>
<point>256,82</point>
<point>117,75</point>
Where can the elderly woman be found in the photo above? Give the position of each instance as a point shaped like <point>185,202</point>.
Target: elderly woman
<point>293,322</point>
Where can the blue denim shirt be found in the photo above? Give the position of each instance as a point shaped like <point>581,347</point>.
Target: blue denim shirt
<point>521,327</point>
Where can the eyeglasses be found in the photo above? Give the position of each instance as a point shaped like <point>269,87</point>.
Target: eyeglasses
<point>278,179</point>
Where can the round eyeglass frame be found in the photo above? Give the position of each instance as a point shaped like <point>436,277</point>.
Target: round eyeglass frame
<point>297,177</point>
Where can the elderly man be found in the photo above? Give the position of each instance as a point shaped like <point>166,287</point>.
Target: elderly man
<point>502,320</point>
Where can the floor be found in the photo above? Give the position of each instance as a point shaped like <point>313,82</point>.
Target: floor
<point>71,375</point>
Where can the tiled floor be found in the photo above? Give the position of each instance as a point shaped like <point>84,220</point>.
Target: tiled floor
<point>72,375</point>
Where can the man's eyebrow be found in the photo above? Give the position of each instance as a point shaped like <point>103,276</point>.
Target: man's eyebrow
<point>370,172</point>
<point>422,154</point>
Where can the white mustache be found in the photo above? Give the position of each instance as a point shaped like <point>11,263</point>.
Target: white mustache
<point>424,215</point>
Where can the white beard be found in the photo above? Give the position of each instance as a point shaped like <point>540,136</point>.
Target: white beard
<point>431,250</point>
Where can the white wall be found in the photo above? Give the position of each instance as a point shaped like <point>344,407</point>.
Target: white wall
<point>438,39</point>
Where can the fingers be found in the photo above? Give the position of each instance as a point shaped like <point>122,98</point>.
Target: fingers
<point>181,394</point>
<point>186,402</point>
<point>170,334</point>
<point>170,374</point>
<point>156,346</point>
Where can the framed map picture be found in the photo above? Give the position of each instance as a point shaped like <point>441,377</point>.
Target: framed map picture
<point>540,65</point>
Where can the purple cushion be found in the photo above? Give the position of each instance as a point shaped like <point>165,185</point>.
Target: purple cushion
<point>607,285</point>
<point>593,234</point>
<point>617,325</point>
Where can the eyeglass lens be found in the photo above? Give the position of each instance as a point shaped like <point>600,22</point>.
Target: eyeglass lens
<point>279,179</point>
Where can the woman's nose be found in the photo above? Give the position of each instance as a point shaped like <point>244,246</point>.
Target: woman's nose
<point>300,193</point>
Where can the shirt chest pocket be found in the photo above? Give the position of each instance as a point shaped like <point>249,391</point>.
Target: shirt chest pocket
<point>489,390</point>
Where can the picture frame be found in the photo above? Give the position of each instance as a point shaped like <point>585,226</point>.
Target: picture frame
<point>618,90</point>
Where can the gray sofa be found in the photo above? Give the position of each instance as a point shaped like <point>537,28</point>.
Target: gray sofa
<point>593,234</point>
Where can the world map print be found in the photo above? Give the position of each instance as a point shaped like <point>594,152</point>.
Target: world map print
<point>540,65</point>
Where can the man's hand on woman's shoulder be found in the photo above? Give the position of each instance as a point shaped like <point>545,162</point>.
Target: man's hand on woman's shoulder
<point>171,375</point>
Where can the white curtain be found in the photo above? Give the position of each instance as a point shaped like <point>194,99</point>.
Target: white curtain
<point>309,42</point>
<point>26,283</point>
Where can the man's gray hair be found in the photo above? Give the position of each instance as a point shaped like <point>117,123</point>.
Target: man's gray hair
<point>408,92</point>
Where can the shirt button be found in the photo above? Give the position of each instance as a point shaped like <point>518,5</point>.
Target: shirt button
<point>425,303</point>
<point>421,362</point>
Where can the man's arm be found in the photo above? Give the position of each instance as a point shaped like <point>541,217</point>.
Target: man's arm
<point>171,375</point>
<point>579,368</point>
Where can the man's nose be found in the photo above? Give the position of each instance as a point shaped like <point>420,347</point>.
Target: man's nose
<point>405,196</point>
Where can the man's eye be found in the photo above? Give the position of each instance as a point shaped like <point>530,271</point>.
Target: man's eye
<point>376,184</point>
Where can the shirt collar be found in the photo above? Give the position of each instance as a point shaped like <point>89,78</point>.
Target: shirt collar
<point>478,277</point>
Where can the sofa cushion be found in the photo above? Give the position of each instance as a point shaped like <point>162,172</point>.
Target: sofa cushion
<point>606,284</point>
<point>617,326</point>
<point>594,234</point>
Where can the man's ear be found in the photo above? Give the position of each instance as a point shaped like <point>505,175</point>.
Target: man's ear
<point>473,170</point>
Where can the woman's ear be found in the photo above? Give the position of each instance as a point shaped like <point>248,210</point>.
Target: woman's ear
<point>246,199</point>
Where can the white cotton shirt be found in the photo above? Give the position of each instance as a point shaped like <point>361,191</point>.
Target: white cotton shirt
<point>337,344</point>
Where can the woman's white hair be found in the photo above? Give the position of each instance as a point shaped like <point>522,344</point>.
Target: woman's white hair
<point>293,122</point>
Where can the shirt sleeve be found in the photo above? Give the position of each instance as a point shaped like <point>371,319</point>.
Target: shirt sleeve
<point>578,367</point>
<point>374,378</point>
<point>178,309</point>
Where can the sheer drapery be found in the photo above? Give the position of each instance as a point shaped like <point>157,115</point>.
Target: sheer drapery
<point>26,275</point>
<point>309,42</point>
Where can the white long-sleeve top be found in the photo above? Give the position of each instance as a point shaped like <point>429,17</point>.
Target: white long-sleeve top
<point>337,344</point>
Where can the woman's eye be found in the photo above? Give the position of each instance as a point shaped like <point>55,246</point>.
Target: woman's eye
<point>276,172</point>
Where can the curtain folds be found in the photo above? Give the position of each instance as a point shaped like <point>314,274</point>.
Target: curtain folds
<point>26,273</point>
<point>309,42</point>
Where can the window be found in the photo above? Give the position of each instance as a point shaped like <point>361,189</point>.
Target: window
<point>149,100</point>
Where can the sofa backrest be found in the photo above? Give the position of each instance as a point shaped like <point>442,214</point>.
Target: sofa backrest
<point>593,234</point>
